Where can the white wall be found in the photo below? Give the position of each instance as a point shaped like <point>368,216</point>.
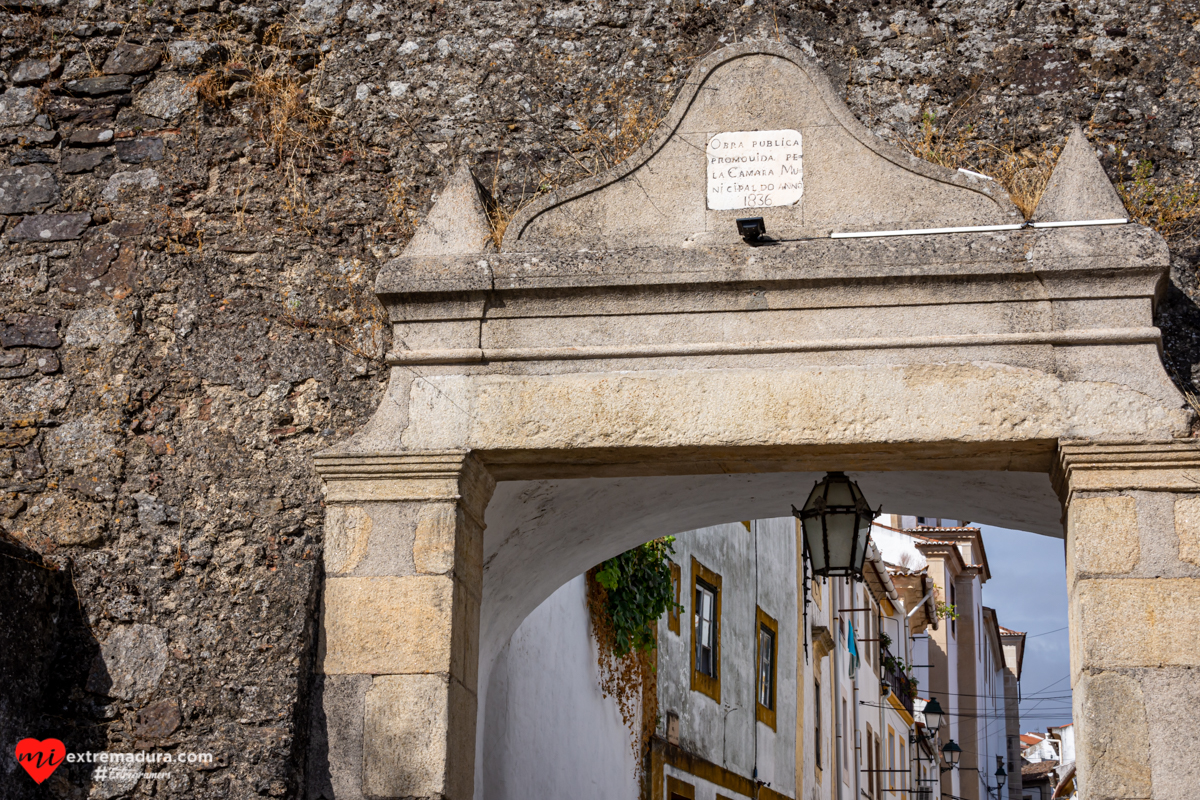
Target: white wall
<point>551,733</point>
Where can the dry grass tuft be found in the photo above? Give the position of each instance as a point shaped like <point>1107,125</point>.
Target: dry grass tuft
<point>1172,210</point>
<point>607,127</point>
<point>1024,174</point>
<point>276,98</point>
<point>607,141</point>
<point>933,144</point>
<point>499,217</point>
<point>260,80</point>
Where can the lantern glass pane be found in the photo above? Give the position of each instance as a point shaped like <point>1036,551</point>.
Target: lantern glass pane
<point>860,547</point>
<point>841,539</point>
<point>811,502</point>
<point>839,493</point>
<point>816,547</point>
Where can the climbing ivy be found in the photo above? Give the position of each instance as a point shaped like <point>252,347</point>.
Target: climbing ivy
<point>626,597</point>
<point>638,591</point>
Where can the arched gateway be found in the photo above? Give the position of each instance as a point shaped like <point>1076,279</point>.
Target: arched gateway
<point>627,366</point>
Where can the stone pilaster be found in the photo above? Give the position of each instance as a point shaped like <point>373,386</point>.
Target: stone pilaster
<point>399,642</point>
<point>1133,580</point>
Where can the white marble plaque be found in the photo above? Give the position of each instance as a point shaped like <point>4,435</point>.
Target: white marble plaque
<point>754,169</point>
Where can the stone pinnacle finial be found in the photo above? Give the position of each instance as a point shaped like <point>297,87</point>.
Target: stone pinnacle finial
<point>458,222</point>
<point>1078,189</point>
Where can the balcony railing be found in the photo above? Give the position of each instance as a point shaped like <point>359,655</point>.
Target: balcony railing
<point>899,683</point>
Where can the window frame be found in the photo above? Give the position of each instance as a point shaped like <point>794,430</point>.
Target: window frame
<point>817,725</point>
<point>766,714</point>
<point>674,613</point>
<point>709,685</point>
<point>872,769</point>
<point>845,740</point>
<point>677,788</point>
<point>953,604</point>
<point>891,759</point>
<point>878,765</point>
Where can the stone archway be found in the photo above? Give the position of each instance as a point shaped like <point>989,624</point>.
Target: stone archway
<point>626,359</point>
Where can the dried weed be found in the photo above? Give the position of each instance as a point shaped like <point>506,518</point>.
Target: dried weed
<point>1171,209</point>
<point>1024,174</point>
<point>606,126</point>
<point>260,79</point>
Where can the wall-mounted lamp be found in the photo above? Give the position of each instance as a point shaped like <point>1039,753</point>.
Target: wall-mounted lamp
<point>933,715</point>
<point>751,229</point>
<point>950,753</point>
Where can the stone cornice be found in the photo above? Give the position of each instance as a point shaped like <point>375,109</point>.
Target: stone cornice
<point>1172,465</point>
<point>1091,336</point>
<point>455,475</point>
<point>945,550</point>
<point>1116,250</point>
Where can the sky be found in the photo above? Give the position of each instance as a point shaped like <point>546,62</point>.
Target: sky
<point>1028,589</point>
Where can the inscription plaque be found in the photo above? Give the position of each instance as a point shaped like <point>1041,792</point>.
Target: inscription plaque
<point>754,169</point>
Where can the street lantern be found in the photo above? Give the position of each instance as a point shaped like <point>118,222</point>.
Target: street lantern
<point>837,524</point>
<point>950,753</point>
<point>1001,777</point>
<point>933,715</point>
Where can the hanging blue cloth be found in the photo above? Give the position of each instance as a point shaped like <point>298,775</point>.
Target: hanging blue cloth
<point>852,645</point>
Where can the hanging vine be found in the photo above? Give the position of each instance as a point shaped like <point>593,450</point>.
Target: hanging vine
<point>626,597</point>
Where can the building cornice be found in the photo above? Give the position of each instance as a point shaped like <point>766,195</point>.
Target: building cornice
<point>1170,465</point>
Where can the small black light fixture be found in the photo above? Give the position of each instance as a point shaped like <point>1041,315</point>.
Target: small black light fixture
<point>751,229</point>
<point>1001,777</point>
<point>837,524</point>
<point>933,715</point>
<point>885,688</point>
<point>950,753</point>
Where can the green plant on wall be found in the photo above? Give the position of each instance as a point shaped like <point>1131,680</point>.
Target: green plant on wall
<point>626,597</point>
<point>945,610</point>
<point>638,588</point>
<point>895,664</point>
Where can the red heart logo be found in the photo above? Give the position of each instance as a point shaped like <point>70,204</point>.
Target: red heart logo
<point>40,759</point>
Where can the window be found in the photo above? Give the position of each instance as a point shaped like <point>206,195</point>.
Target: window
<point>872,639</point>
<point>768,634</point>
<point>845,741</point>
<point>678,790</point>
<point>879,765</point>
<point>903,764</point>
<point>817,721</point>
<point>872,768</point>
<point>673,611</point>
<point>706,628</point>
<point>953,620</point>
<point>891,760</point>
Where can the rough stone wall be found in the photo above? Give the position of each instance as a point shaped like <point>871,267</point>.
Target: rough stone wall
<point>196,197</point>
